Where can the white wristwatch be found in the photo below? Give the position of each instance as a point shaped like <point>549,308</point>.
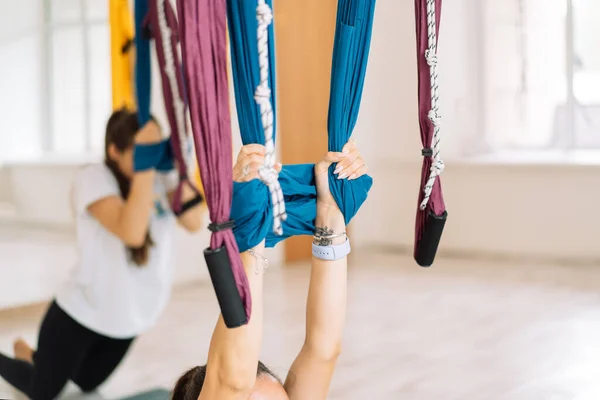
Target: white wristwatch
<point>331,253</point>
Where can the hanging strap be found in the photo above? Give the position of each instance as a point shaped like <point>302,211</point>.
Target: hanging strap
<point>437,165</point>
<point>431,213</point>
<point>143,66</point>
<point>164,30</point>
<point>202,27</point>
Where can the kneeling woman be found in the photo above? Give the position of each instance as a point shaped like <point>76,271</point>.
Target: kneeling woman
<point>233,371</point>
<point>125,234</point>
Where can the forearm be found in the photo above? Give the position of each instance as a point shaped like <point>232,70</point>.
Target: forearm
<point>192,218</point>
<point>312,371</point>
<point>326,303</point>
<point>234,353</point>
<point>135,216</point>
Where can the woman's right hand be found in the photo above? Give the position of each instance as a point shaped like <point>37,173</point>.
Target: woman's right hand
<point>250,158</point>
<point>148,134</point>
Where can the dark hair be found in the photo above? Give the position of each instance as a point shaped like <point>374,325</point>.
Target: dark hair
<point>189,386</point>
<point>121,128</point>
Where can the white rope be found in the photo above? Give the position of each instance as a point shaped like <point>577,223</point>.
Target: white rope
<point>437,165</point>
<point>170,71</point>
<point>267,173</point>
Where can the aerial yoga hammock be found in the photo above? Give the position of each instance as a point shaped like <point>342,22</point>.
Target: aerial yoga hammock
<point>276,206</point>
<point>156,19</point>
<point>121,51</point>
<point>431,212</point>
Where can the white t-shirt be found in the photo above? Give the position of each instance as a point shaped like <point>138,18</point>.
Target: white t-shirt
<point>107,292</point>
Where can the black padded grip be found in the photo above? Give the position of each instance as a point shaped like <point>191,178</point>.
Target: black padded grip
<point>430,239</point>
<point>188,205</point>
<point>219,268</point>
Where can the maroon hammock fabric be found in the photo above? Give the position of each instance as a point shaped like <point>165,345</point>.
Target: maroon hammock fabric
<point>170,93</point>
<point>203,37</point>
<point>436,200</point>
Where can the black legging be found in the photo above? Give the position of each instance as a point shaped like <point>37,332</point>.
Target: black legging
<point>66,350</point>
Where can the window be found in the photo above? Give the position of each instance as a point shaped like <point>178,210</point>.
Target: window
<point>21,79</point>
<point>55,56</point>
<point>542,74</point>
<point>79,75</point>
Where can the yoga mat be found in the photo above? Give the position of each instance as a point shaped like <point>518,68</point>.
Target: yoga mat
<point>153,394</point>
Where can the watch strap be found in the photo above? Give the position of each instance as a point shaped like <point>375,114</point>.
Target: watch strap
<point>332,252</point>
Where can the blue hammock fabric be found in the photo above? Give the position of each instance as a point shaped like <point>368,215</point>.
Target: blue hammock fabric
<point>251,206</point>
<point>143,71</point>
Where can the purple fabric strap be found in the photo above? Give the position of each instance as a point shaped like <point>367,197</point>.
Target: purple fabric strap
<point>203,37</point>
<point>436,201</point>
<point>164,29</point>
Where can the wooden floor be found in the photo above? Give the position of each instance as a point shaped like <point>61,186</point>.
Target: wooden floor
<point>462,330</point>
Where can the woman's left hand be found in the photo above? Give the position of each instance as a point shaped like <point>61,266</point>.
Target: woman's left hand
<point>250,158</point>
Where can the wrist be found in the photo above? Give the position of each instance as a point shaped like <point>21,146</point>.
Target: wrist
<point>329,232</point>
<point>145,175</point>
<point>333,221</point>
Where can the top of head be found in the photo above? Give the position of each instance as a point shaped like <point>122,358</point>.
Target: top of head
<point>267,387</point>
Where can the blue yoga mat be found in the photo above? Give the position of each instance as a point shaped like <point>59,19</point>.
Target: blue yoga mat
<point>153,394</point>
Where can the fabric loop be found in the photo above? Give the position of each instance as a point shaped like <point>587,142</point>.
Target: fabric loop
<point>252,206</point>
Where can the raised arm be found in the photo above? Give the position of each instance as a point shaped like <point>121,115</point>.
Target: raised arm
<point>128,219</point>
<point>192,218</point>
<point>311,373</point>
<point>233,354</point>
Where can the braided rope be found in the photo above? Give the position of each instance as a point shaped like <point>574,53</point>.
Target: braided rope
<point>170,71</point>
<point>267,172</point>
<point>437,165</point>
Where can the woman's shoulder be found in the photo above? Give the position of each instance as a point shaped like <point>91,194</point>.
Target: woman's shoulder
<point>96,174</point>
<point>93,170</point>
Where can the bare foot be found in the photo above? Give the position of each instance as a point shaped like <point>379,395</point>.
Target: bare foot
<point>23,351</point>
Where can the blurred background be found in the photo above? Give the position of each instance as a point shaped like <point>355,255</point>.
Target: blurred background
<point>512,300</point>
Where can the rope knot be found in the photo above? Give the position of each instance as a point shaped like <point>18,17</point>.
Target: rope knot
<point>268,175</point>
<point>431,57</point>
<point>437,167</point>
<point>262,93</point>
<point>434,117</point>
<point>264,13</point>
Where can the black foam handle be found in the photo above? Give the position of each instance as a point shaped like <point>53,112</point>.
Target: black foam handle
<point>430,239</point>
<point>221,275</point>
